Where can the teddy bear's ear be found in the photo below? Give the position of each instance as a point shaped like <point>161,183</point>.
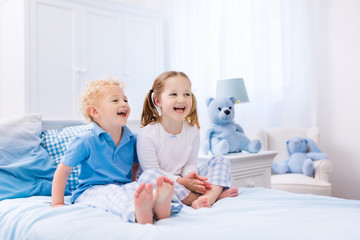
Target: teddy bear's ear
<point>287,146</point>
<point>208,101</point>
<point>232,99</point>
<point>312,147</point>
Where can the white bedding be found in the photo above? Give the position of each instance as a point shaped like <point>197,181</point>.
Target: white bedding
<point>255,214</point>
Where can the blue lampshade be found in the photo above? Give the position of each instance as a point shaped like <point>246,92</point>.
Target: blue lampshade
<point>234,87</point>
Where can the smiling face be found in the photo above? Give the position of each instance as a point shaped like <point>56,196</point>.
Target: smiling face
<point>112,109</point>
<point>175,100</point>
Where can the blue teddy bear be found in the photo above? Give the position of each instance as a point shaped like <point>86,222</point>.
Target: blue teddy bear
<point>224,135</point>
<point>302,152</point>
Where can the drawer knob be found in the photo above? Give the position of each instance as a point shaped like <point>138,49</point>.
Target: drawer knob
<point>250,184</point>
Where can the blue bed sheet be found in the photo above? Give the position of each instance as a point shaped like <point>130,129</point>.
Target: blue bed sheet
<point>255,214</point>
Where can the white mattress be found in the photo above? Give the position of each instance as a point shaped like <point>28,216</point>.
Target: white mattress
<point>255,214</point>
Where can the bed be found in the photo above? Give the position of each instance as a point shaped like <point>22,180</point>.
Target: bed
<point>257,213</point>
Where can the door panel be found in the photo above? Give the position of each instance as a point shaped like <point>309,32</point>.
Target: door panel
<point>53,94</point>
<point>142,59</point>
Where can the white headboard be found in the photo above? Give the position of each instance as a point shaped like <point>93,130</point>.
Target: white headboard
<point>133,124</point>
<point>57,124</point>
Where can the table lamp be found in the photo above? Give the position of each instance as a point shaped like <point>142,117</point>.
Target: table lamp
<point>234,87</point>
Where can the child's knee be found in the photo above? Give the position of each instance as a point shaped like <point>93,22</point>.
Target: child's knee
<point>150,175</point>
<point>219,160</point>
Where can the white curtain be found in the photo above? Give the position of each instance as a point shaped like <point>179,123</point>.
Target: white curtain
<point>262,41</point>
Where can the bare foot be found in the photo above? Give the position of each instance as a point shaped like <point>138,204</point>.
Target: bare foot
<point>143,203</point>
<point>163,195</point>
<point>201,202</point>
<point>230,192</point>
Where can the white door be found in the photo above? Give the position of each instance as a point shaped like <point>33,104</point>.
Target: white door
<point>52,59</point>
<point>72,44</point>
<point>142,59</point>
<point>100,46</point>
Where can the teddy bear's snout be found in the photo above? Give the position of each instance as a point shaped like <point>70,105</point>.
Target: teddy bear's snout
<point>227,112</point>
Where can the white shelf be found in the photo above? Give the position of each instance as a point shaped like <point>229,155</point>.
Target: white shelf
<point>248,169</point>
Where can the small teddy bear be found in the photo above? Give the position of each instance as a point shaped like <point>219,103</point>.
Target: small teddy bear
<point>302,152</point>
<point>224,135</point>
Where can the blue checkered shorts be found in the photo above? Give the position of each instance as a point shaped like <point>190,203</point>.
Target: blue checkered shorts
<point>217,170</point>
<point>117,199</point>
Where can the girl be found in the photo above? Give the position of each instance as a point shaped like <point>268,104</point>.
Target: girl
<point>169,141</point>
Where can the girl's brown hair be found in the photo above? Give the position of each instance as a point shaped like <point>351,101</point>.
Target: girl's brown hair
<point>150,113</point>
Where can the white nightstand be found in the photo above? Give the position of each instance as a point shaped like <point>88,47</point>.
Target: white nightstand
<point>248,169</point>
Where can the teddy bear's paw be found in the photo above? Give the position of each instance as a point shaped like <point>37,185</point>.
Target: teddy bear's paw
<point>308,167</point>
<point>279,167</point>
<point>221,148</point>
<point>205,147</point>
<point>254,146</point>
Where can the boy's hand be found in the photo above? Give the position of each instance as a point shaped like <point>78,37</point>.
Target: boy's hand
<point>195,183</point>
<point>59,184</point>
<point>57,204</point>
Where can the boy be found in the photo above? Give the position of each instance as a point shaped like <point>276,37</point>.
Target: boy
<point>107,155</point>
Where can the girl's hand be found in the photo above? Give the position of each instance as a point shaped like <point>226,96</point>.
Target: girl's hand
<point>194,175</point>
<point>195,183</point>
<point>134,169</point>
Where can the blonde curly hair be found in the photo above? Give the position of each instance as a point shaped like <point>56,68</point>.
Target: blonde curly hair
<point>94,91</point>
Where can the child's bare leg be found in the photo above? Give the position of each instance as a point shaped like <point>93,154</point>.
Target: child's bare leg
<point>190,198</point>
<point>144,203</point>
<point>211,196</point>
<point>163,195</point>
<point>230,192</point>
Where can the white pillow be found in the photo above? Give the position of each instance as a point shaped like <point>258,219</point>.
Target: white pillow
<point>25,166</point>
<point>20,133</point>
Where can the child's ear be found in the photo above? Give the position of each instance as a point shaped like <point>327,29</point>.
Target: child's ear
<point>92,111</point>
<point>157,102</point>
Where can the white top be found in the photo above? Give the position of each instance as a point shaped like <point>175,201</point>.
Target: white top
<point>175,154</point>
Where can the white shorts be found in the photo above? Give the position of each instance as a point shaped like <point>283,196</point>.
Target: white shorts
<point>117,199</point>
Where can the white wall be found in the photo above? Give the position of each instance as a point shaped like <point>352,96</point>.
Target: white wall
<point>160,5</point>
<point>12,62</point>
<point>338,72</point>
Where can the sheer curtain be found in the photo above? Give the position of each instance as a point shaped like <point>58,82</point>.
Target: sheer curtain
<point>262,41</point>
